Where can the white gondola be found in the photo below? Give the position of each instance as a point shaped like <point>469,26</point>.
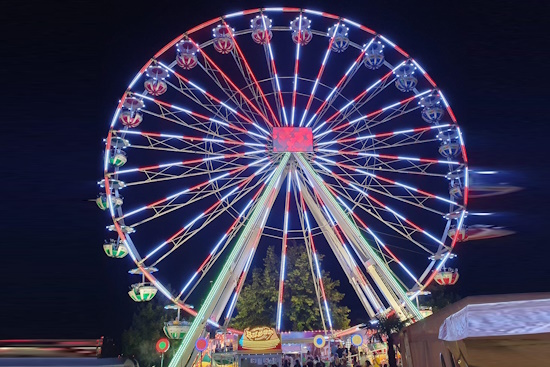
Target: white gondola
<point>301,32</point>
<point>223,40</point>
<point>261,29</point>
<point>374,55</point>
<point>340,34</point>
<point>113,183</point>
<point>186,57</point>
<point>123,228</point>
<point>449,149</point>
<point>405,80</point>
<point>155,84</point>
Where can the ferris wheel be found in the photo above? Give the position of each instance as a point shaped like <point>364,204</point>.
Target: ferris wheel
<point>273,125</point>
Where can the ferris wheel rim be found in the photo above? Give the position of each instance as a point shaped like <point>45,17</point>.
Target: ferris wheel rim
<point>223,19</point>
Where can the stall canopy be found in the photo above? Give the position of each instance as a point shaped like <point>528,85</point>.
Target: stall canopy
<point>497,319</point>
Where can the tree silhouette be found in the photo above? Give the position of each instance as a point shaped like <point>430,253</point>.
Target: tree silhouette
<point>257,304</point>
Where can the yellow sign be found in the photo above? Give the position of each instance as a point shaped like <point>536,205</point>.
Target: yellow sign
<point>260,338</point>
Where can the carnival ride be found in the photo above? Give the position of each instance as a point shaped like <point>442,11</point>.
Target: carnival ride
<point>329,126</point>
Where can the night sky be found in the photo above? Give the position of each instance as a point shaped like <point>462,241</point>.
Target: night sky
<point>68,64</point>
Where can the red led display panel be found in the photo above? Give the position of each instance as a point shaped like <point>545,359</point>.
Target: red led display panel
<point>292,139</point>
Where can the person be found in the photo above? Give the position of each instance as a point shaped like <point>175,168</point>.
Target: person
<point>309,363</point>
<point>368,364</point>
<point>340,351</point>
<point>297,363</point>
<point>318,364</point>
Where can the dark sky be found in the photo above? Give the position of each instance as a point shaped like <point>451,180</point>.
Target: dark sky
<point>66,65</point>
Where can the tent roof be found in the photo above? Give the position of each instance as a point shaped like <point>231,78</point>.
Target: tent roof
<point>498,319</point>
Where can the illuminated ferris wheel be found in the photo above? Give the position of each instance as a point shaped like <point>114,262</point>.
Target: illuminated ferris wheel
<point>278,124</point>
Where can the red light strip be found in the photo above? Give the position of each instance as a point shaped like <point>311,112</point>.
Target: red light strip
<point>383,135</point>
<point>233,225</point>
<point>387,156</point>
<point>201,116</point>
<point>253,77</point>
<point>340,82</point>
<point>274,68</point>
<point>184,79</point>
<point>296,66</point>
<point>248,101</point>
<point>202,215</point>
<point>319,75</point>
<point>352,184</point>
<point>314,250</point>
<point>387,180</point>
<point>283,255</point>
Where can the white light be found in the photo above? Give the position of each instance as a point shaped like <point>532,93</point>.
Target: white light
<point>355,24</point>
<point>134,81</point>
<point>234,14</point>
<point>313,12</point>
<point>388,41</point>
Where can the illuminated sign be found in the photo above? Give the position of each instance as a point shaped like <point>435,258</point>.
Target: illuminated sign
<point>260,338</point>
<point>292,139</point>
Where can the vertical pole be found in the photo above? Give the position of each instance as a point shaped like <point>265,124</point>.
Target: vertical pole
<point>256,219</point>
<point>162,360</point>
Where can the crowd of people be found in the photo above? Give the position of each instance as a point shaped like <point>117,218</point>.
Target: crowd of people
<point>340,357</point>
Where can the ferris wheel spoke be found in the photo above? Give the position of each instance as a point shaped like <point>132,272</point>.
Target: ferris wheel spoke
<point>239,56</point>
<point>380,178</point>
<point>224,241</point>
<point>210,65</point>
<point>364,97</point>
<point>386,157</point>
<point>296,68</point>
<point>270,59</point>
<point>318,78</point>
<point>376,212</point>
<point>168,109</point>
<point>396,110</point>
<point>211,147</point>
<point>190,165</point>
<point>358,101</point>
<point>369,197</point>
<point>327,103</point>
<point>283,254</point>
<point>205,128</point>
<point>391,164</point>
<point>187,87</point>
<point>171,207</point>
<point>154,176</point>
<point>214,211</point>
<point>406,136</point>
<point>376,187</point>
<point>193,188</point>
<point>308,239</point>
<point>400,218</point>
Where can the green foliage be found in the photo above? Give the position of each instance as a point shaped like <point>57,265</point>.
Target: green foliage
<point>390,325</point>
<point>257,304</point>
<point>146,329</point>
<point>440,297</point>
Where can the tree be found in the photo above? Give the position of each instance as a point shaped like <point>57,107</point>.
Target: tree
<point>440,297</point>
<point>390,325</point>
<point>257,304</point>
<point>146,329</point>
